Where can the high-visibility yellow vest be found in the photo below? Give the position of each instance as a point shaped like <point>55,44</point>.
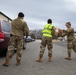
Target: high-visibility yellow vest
<point>47,31</point>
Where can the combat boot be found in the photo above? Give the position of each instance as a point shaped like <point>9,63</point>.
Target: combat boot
<point>6,63</point>
<point>68,58</point>
<point>18,63</point>
<point>39,59</point>
<point>50,59</point>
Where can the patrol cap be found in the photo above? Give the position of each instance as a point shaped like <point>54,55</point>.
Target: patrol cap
<point>68,23</point>
<point>20,14</point>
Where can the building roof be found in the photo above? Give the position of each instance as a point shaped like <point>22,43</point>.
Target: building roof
<point>5,16</point>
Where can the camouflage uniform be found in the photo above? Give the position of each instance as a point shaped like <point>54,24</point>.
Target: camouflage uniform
<point>70,37</point>
<point>74,45</point>
<point>46,41</point>
<point>47,34</point>
<point>19,28</point>
<point>18,41</point>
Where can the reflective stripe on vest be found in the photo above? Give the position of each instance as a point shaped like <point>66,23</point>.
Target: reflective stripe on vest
<point>47,31</point>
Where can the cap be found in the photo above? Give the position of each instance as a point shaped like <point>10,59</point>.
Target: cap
<point>20,14</point>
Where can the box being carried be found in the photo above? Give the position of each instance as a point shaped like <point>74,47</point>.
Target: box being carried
<point>58,32</point>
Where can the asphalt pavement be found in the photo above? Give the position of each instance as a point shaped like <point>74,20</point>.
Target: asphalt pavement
<point>59,66</point>
<point>61,43</point>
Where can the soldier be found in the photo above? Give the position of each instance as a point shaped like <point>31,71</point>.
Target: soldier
<point>70,37</point>
<point>19,28</point>
<point>46,40</point>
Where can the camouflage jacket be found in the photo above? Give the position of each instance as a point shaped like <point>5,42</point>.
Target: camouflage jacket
<point>69,33</point>
<point>19,27</point>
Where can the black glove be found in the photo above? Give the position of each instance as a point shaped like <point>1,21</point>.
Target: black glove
<point>10,35</point>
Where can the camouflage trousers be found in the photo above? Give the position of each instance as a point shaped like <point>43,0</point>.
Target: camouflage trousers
<point>69,47</point>
<point>46,41</point>
<point>17,42</point>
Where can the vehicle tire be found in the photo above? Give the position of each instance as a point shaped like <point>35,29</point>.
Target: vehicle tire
<point>3,52</point>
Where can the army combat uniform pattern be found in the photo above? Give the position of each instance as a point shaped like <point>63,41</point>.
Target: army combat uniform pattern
<point>19,29</point>
<point>70,38</point>
<point>46,40</point>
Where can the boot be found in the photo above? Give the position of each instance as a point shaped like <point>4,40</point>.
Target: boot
<point>68,58</point>
<point>18,63</point>
<point>6,63</point>
<point>50,59</point>
<point>39,59</point>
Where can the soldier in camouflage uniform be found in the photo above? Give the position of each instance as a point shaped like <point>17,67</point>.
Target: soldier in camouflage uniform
<point>19,29</point>
<point>70,37</point>
<point>46,40</point>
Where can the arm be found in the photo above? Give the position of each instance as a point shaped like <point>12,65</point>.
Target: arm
<point>68,30</point>
<point>53,31</point>
<point>26,29</point>
<point>63,34</point>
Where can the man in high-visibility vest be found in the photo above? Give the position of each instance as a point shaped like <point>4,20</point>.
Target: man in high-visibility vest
<point>47,34</point>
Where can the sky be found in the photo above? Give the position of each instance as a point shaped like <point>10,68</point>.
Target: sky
<point>37,12</point>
